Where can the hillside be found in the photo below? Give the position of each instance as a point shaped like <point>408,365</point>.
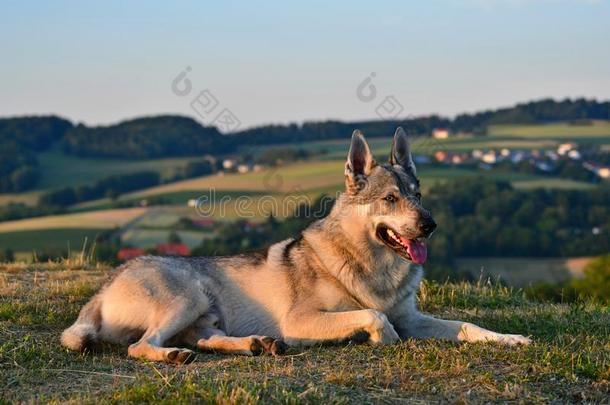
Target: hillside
<point>568,362</point>
<point>149,137</point>
<point>166,136</point>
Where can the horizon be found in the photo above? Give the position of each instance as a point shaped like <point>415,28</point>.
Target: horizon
<point>101,65</point>
<point>294,122</point>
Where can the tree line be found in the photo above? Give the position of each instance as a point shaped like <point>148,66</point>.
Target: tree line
<point>110,187</point>
<point>542,111</point>
<point>21,138</point>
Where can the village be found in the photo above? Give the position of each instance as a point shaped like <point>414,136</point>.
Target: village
<point>542,161</point>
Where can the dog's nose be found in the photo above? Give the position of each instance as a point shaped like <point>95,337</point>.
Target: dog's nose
<point>426,225</point>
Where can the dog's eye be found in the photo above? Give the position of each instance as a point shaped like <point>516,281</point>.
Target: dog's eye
<point>390,198</point>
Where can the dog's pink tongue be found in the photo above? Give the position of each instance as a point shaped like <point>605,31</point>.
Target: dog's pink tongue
<point>417,250</point>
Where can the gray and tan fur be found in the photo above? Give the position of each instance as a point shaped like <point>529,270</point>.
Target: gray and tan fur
<point>339,279</point>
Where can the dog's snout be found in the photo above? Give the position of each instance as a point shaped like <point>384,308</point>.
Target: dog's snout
<point>426,225</point>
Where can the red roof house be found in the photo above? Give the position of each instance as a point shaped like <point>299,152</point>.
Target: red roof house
<point>173,249</point>
<point>130,253</point>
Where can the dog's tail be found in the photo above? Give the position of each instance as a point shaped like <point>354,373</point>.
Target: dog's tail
<point>83,334</point>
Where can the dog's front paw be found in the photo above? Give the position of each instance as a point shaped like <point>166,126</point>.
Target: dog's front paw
<point>381,331</point>
<point>512,340</point>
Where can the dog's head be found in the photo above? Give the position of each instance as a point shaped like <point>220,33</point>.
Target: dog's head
<point>388,197</point>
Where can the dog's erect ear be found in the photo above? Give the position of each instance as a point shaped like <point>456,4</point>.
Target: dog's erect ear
<point>359,163</point>
<point>401,151</point>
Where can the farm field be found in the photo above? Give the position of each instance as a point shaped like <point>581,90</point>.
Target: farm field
<point>499,136</point>
<point>61,170</point>
<point>522,272</point>
<point>568,361</point>
<point>309,179</point>
<point>25,244</point>
<point>68,232</point>
<point>237,196</point>
<point>597,129</point>
<point>146,238</point>
<point>105,219</point>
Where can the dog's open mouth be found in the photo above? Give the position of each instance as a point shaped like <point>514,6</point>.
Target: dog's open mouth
<point>412,249</point>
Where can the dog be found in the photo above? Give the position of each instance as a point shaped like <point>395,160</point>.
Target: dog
<point>353,273</point>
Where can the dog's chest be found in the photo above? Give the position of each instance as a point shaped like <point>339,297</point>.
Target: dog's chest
<point>393,285</point>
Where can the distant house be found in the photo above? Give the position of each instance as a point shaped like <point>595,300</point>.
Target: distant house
<point>564,148</point>
<point>440,156</point>
<point>457,158</point>
<point>173,249</point>
<point>228,164</point>
<point>601,171</point>
<point>130,253</point>
<point>545,167</point>
<point>441,133</point>
<point>574,154</point>
<point>490,157</point>
<point>552,155</point>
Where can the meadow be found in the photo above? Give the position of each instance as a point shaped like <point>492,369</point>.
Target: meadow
<point>568,362</point>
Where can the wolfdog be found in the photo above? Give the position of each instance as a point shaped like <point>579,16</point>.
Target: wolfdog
<point>352,274</point>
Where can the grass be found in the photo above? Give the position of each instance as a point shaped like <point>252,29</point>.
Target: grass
<point>61,170</point>
<point>554,131</point>
<point>104,219</point>
<point>524,271</point>
<point>147,238</point>
<point>58,239</point>
<point>569,361</point>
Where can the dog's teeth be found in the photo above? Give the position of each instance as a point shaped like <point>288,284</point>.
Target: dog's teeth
<point>391,233</point>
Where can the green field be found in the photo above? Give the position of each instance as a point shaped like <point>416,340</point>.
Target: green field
<point>523,271</point>
<point>61,170</point>
<point>568,362</point>
<point>56,239</point>
<point>148,238</point>
<point>307,180</point>
<point>557,131</point>
<point>106,219</point>
<point>545,136</point>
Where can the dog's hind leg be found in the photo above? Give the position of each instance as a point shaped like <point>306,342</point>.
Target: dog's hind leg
<point>206,336</point>
<point>151,345</point>
<point>249,345</point>
<point>83,334</point>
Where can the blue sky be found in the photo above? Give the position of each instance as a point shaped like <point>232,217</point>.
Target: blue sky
<point>273,62</point>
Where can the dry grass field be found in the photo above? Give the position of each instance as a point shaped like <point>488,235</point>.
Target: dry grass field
<point>568,362</point>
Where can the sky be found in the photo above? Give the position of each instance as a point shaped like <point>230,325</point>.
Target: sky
<point>278,62</point>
